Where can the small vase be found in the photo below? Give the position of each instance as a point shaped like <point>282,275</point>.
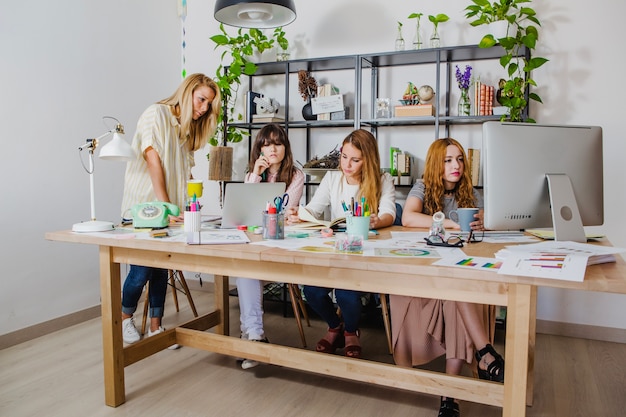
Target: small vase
<point>417,40</point>
<point>399,40</point>
<point>307,112</point>
<point>464,102</point>
<point>435,41</point>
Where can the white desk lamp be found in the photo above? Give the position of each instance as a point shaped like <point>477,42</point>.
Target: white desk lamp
<point>116,150</point>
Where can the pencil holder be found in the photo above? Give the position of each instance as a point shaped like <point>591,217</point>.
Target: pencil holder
<point>358,225</point>
<point>273,225</point>
<point>193,221</point>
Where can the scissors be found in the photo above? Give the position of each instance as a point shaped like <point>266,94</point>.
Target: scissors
<point>281,201</point>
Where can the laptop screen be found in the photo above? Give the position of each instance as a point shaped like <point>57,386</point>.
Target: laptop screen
<point>244,203</point>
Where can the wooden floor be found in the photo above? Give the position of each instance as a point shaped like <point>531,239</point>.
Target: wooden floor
<point>60,375</point>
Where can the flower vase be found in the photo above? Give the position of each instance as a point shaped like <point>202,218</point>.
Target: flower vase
<point>417,40</point>
<point>399,40</point>
<point>435,41</point>
<point>307,111</point>
<point>464,102</point>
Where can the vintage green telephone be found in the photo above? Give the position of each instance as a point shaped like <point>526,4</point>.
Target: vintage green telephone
<point>153,214</point>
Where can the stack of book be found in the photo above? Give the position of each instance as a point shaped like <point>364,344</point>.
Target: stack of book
<point>483,99</point>
<point>267,118</point>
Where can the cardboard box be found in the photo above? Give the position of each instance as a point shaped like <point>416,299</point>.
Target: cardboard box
<point>415,110</point>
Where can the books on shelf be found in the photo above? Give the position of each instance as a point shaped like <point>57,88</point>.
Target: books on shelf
<point>415,110</point>
<point>483,99</point>
<point>310,222</point>
<point>251,105</point>
<point>473,165</point>
<point>267,118</point>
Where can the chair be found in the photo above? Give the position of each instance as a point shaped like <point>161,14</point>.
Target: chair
<point>173,277</point>
<point>297,303</point>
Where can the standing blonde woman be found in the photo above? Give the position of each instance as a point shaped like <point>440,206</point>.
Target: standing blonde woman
<point>168,133</point>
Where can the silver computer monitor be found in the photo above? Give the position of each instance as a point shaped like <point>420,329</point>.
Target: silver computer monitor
<point>543,176</point>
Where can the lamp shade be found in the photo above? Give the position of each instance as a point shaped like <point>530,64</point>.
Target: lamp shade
<point>117,149</point>
<point>258,14</point>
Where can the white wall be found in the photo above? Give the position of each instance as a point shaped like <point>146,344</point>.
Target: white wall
<point>67,63</point>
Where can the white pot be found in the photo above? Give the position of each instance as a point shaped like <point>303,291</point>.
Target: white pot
<point>498,29</point>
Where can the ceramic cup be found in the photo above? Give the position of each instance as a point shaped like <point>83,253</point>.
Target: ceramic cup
<point>464,216</point>
<point>358,225</point>
<point>194,187</point>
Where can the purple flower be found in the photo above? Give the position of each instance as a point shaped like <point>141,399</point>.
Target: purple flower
<point>463,79</point>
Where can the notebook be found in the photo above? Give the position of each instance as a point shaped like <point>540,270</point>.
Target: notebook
<point>244,202</point>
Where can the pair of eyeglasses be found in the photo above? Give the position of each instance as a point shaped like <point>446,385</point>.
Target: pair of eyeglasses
<point>438,240</point>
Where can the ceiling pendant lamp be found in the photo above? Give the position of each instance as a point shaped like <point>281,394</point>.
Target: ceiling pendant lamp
<point>259,14</point>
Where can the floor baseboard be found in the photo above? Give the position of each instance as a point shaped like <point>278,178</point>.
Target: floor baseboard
<point>582,331</point>
<point>47,327</point>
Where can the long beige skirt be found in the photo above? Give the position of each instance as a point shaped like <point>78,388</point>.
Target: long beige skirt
<point>424,329</point>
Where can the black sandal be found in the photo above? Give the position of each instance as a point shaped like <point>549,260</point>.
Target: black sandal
<point>448,408</point>
<point>495,370</point>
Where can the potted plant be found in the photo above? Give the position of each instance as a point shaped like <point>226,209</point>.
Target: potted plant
<point>435,40</point>
<point>236,61</point>
<point>520,33</point>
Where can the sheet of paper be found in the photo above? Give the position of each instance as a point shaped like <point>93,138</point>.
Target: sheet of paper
<point>550,264</point>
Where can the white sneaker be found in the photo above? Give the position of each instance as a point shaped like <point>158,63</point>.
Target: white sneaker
<point>249,363</point>
<point>130,334</point>
<point>160,330</point>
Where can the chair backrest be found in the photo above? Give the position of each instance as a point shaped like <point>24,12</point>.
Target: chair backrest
<point>398,220</point>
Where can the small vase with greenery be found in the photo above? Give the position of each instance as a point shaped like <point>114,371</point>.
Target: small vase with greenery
<point>520,33</point>
<point>417,40</point>
<point>435,40</point>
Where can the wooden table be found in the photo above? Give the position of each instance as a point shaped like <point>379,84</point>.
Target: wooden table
<point>415,277</point>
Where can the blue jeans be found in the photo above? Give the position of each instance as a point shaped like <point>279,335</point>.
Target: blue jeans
<point>136,279</point>
<point>348,301</point>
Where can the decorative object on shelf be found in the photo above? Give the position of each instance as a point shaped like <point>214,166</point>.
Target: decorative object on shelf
<point>435,40</point>
<point>417,39</point>
<point>255,13</point>
<point>328,161</point>
<point>307,87</point>
<point>410,96</point>
<point>240,48</point>
<point>399,39</point>
<point>383,108</point>
<point>463,81</point>
<point>425,94</point>
<point>520,33</point>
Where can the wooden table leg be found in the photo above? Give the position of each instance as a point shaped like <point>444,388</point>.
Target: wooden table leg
<point>222,304</point>
<point>112,346</point>
<point>517,350</point>
<point>532,336</point>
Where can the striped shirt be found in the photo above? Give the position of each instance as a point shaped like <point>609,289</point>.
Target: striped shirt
<point>157,128</point>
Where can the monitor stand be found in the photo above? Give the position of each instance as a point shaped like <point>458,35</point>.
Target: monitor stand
<point>565,214</point>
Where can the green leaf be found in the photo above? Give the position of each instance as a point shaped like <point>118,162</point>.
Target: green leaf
<point>487,41</point>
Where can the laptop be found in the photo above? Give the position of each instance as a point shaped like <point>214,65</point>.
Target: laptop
<point>244,203</point>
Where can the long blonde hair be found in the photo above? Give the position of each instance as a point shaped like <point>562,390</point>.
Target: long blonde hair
<point>195,132</point>
<point>433,178</point>
<point>371,183</point>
